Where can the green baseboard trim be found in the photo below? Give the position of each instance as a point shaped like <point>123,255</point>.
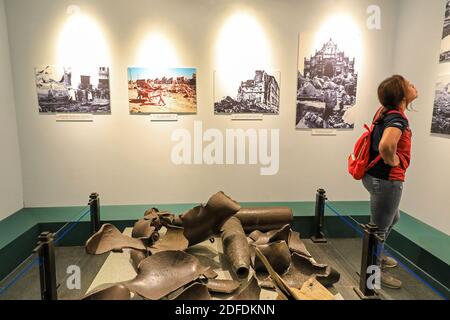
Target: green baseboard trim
<point>431,268</point>
<point>13,254</point>
<point>428,238</point>
<point>14,225</point>
<point>26,218</point>
<point>433,273</point>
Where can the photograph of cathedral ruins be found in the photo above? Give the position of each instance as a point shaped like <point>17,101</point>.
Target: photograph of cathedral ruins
<point>167,90</point>
<point>260,94</point>
<point>326,90</point>
<point>73,90</point>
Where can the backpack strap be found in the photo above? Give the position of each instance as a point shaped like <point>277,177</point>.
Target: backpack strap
<point>390,112</point>
<point>377,114</point>
<point>375,118</point>
<point>378,157</point>
<point>374,162</point>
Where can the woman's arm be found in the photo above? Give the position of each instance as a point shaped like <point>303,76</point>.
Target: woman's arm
<point>388,146</point>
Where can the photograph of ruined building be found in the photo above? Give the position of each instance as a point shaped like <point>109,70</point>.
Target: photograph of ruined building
<point>168,90</point>
<point>259,94</point>
<point>445,42</point>
<point>441,112</point>
<point>326,88</point>
<point>73,90</point>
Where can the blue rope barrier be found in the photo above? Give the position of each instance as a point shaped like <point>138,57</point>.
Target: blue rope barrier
<point>386,252</point>
<point>72,225</point>
<point>19,276</point>
<point>37,261</point>
<point>358,231</point>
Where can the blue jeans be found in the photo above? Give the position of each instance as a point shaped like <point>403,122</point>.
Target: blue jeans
<point>385,198</point>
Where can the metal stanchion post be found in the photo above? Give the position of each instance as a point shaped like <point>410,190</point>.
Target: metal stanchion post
<point>94,203</point>
<point>369,258</point>
<point>47,267</point>
<point>318,236</point>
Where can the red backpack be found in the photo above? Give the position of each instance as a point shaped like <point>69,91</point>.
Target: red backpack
<point>358,161</point>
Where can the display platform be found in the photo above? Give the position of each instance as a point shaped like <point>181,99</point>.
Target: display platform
<point>215,251</point>
<point>118,267</point>
<point>342,253</point>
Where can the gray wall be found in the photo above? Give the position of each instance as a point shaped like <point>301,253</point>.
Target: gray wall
<point>426,193</point>
<point>11,198</point>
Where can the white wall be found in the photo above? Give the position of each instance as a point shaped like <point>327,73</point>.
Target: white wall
<point>426,193</point>
<point>11,199</point>
<point>127,158</point>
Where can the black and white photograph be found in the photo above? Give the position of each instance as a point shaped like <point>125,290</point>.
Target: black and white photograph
<point>441,112</point>
<point>445,42</point>
<point>70,90</point>
<point>326,85</point>
<point>252,91</point>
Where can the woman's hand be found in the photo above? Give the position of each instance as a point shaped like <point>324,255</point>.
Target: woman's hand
<point>394,163</point>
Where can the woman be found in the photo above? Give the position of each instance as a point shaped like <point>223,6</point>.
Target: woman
<point>391,142</point>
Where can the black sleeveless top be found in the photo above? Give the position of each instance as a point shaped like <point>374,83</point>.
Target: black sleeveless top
<point>382,170</point>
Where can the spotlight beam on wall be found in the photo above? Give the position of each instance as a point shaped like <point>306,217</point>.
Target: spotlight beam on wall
<point>81,42</point>
<point>157,51</point>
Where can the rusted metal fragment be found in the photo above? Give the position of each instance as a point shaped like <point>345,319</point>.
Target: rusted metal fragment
<point>202,222</point>
<point>109,238</point>
<point>137,256</point>
<point>271,236</point>
<point>222,286</point>
<point>329,278</point>
<point>177,221</point>
<point>264,218</point>
<point>278,255</point>
<point>236,247</point>
<point>195,291</point>
<point>163,273</point>
<point>296,244</point>
<point>303,268</point>
<point>174,239</point>
<point>152,215</point>
<point>250,291</point>
<point>145,231</point>
<point>284,291</point>
<point>291,237</point>
<point>255,235</point>
<point>300,271</point>
<point>210,274</point>
<point>168,219</point>
<point>265,281</point>
<point>142,229</point>
<point>208,256</point>
<point>109,292</point>
<point>151,212</point>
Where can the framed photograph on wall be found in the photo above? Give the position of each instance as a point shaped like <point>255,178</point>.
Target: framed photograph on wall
<point>73,90</point>
<point>326,84</point>
<point>441,111</point>
<point>246,91</point>
<point>162,90</point>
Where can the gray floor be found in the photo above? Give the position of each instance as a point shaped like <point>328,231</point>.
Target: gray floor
<point>345,256</point>
<point>28,287</point>
<point>342,254</point>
